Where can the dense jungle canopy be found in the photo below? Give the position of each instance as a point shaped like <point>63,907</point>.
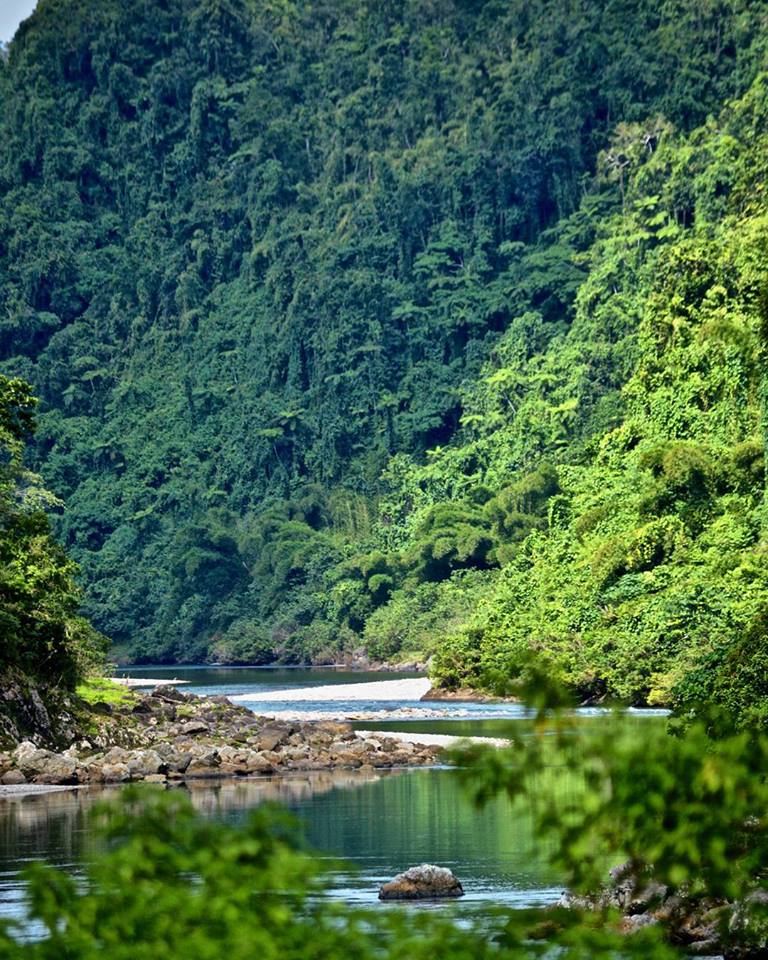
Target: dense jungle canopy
<point>422,328</point>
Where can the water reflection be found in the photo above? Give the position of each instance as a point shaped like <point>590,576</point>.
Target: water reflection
<point>378,823</point>
<point>41,824</point>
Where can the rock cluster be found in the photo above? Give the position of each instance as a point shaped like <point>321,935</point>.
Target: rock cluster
<point>168,735</point>
<point>702,926</point>
<point>425,882</point>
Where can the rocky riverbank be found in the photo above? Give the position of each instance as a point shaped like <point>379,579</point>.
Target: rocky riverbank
<point>702,926</point>
<point>171,736</point>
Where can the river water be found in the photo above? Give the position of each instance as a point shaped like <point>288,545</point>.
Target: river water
<point>378,824</point>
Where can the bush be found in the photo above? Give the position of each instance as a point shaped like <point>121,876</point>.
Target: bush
<point>457,660</point>
<point>245,642</point>
<point>730,683</point>
<point>416,619</point>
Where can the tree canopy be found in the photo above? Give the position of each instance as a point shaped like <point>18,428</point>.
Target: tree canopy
<point>44,638</point>
<point>426,327</point>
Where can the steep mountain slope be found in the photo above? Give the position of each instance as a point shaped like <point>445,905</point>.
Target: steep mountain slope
<point>652,562</point>
<point>329,305</point>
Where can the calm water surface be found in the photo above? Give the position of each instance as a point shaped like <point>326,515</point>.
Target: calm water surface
<point>213,680</point>
<point>254,681</point>
<point>378,824</point>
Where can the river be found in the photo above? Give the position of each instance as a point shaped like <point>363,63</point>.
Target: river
<point>378,824</point>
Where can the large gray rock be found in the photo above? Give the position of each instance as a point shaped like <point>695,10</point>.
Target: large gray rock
<point>425,882</point>
<point>25,750</point>
<point>180,762</point>
<point>115,773</point>
<point>206,764</point>
<point>349,748</point>
<point>337,730</point>
<point>168,693</point>
<point>57,769</point>
<point>44,766</point>
<point>231,754</point>
<point>116,755</point>
<point>258,763</point>
<point>195,726</point>
<point>146,763</point>
<point>12,778</point>
<point>272,735</point>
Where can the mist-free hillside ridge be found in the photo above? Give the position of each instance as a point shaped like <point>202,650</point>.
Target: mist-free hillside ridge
<point>417,329</point>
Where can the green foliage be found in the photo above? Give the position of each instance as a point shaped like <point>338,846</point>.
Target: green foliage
<point>431,332</point>
<point>730,682</point>
<point>449,536</point>
<point>519,509</point>
<point>458,660</point>
<point>417,620</point>
<point>170,883</point>
<point>681,810</point>
<point>43,635</point>
<point>299,284</point>
<point>245,641</point>
<point>102,690</point>
<point>646,581</point>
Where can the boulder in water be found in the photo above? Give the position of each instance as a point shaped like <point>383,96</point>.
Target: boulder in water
<point>425,882</point>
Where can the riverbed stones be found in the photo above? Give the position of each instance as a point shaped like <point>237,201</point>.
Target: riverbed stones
<point>695,923</point>
<point>13,778</point>
<point>425,882</point>
<point>170,694</point>
<point>273,735</point>
<point>146,763</point>
<point>337,729</point>
<point>199,769</point>
<point>204,763</point>
<point>179,761</point>
<point>319,742</point>
<point>195,726</point>
<point>44,766</point>
<point>156,778</point>
<point>57,770</point>
<point>114,772</point>
<point>176,736</point>
<point>350,748</point>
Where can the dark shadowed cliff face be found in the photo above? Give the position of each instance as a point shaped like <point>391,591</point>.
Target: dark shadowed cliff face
<point>263,262</point>
<point>36,712</point>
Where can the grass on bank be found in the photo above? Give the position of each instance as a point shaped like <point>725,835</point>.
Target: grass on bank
<point>102,690</point>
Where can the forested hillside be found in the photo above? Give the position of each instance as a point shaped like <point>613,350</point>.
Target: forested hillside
<point>408,326</point>
<point>651,558</point>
